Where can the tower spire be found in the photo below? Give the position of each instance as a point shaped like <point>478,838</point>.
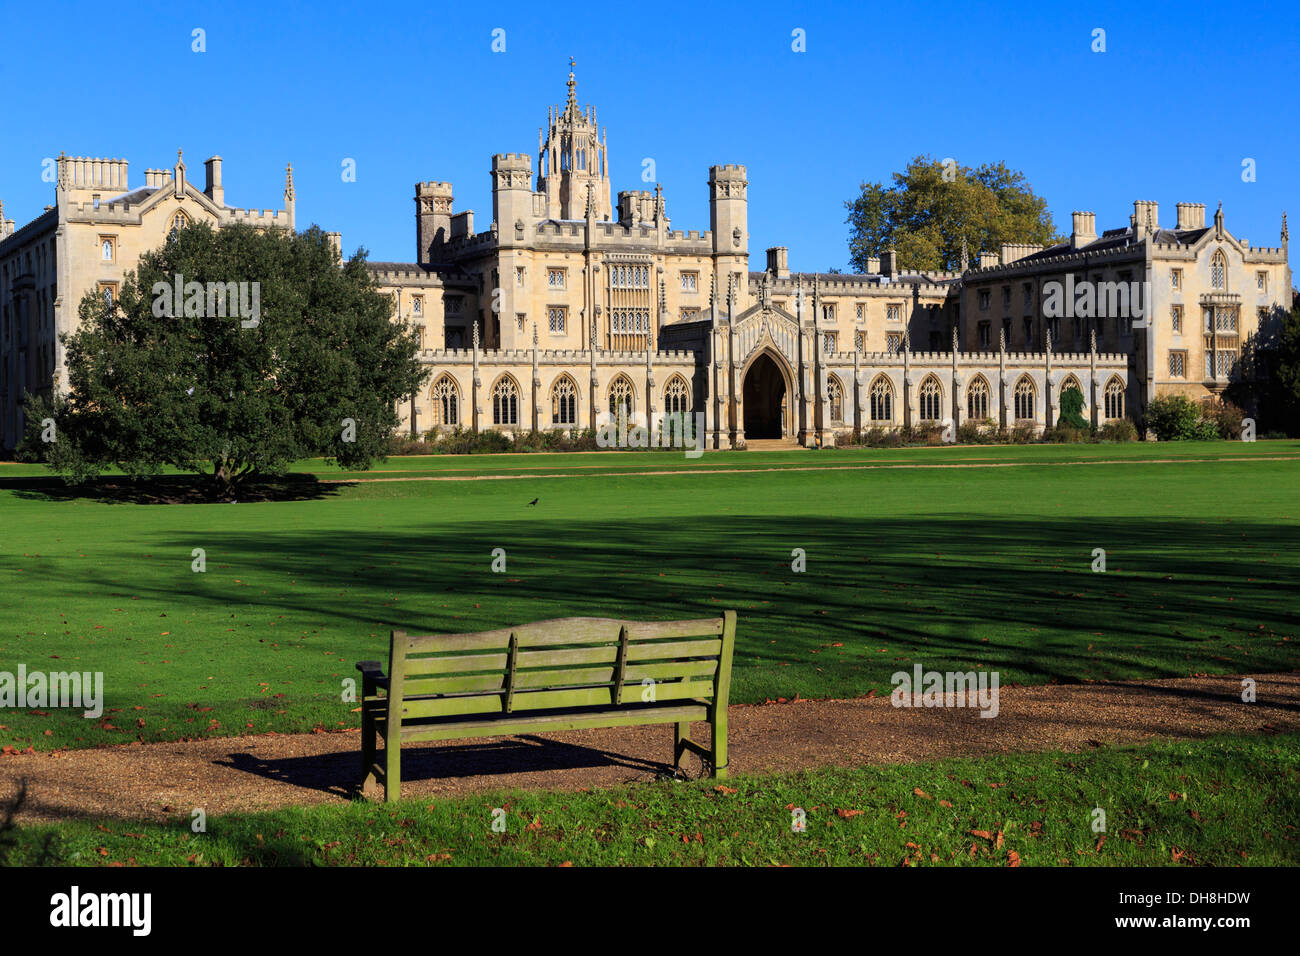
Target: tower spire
<point>1286,234</point>
<point>572,106</point>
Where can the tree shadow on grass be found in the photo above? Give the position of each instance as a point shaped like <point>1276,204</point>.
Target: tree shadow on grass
<point>170,489</point>
<point>879,593</point>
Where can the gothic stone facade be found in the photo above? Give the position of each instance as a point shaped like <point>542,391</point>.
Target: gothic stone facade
<point>571,306</point>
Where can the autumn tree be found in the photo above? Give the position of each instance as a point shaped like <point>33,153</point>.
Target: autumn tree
<point>933,206</point>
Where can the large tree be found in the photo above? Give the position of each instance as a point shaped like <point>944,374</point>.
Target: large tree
<point>230,352</point>
<point>933,205</point>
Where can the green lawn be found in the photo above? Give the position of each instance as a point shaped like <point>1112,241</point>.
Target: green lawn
<point>1224,801</point>
<point>955,568</point>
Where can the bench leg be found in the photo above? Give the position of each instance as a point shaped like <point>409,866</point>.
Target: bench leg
<point>392,770</point>
<point>681,732</point>
<point>719,724</point>
<point>368,778</point>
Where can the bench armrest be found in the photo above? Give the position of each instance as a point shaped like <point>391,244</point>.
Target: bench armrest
<point>372,676</point>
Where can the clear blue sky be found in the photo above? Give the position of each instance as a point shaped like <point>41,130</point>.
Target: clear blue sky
<point>412,91</point>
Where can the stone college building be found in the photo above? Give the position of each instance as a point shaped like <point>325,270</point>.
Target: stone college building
<point>571,307</point>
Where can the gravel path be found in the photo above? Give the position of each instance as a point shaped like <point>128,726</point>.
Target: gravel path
<point>226,774</point>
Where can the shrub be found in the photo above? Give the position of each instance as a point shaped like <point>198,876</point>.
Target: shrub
<point>1121,429</point>
<point>1226,417</point>
<point>1067,434</point>
<point>1177,418</point>
<point>1021,434</point>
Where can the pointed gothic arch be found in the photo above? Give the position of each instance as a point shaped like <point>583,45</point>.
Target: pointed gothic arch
<point>622,395</point>
<point>505,400</point>
<point>1025,399</point>
<point>767,391</point>
<point>677,396</point>
<point>445,396</point>
<point>835,398</point>
<point>1114,398</point>
<point>930,399</point>
<point>977,399</point>
<point>564,400</point>
<point>882,399</point>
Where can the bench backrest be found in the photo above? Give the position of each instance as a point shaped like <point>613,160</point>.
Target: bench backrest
<point>567,663</point>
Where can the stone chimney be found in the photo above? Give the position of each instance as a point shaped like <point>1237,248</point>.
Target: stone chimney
<point>1191,215</point>
<point>1146,216</point>
<point>336,243</point>
<point>873,265</point>
<point>988,260</point>
<point>889,263</point>
<point>778,262</point>
<point>1085,229</point>
<point>214,190</point>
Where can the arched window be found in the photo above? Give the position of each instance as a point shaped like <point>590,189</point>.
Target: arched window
<point>882,400</point>
<point>179,222</point>
<point>1024,399</point>
<point>835,395</point>
<point>505,402</point>
<point>931,396</point>
<point>564,402</point>
<point>106,250</point>
<point>977,399</point>
<point>620,398</point>
<point>446,401</point>
<point>1219,271</point>
<point>677,396</point>
<point>1114,398</point>
<point>582,159</point>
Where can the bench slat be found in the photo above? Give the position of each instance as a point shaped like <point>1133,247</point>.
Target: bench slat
<point>672,650</point>
<point>670,690</point>
<point>568,630</point>
<point>521,723</point>
<point>526,700</point>
<point>455,664</point>
<point>669,670</point>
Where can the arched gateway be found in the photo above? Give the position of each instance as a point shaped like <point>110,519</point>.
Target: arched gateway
<point>765,402</point>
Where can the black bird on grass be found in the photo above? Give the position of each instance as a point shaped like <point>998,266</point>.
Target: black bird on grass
<point>533,502</point>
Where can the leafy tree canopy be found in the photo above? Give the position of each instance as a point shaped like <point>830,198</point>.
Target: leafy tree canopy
<point>301,360</point>
<point>932,206</point>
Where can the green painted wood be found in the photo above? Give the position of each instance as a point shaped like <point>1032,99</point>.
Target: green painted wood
<point>429,686</point>
<point>671,670</point>
<point>510,672</point>
<point>673,690</point>
<point>605,654</point>
<point>455,664</point>
<point>673,650</point>
<point>521,724</point>
<point>523,700</point>
<point>620,665</point>
<point>718,716</point>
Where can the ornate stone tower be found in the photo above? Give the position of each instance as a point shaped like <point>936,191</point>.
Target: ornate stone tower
<point>432,219</point>
<point>572,153</point>
<point>729,221</point>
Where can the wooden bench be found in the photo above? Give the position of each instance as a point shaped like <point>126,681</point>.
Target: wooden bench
<point>567,674</point>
